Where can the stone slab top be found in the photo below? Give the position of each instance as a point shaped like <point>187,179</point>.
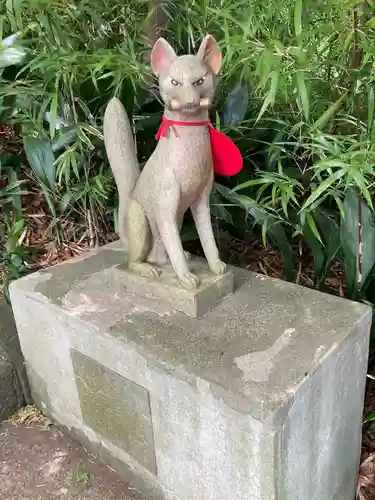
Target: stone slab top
<point>254,349</point>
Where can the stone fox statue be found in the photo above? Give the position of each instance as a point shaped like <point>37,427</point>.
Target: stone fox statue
<point>178,175</point>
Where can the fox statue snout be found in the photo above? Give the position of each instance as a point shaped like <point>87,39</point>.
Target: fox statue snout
<point>179,174</point>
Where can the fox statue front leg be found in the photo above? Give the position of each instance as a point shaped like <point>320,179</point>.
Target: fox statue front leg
<point>170,234</point>
<point>202,218</point>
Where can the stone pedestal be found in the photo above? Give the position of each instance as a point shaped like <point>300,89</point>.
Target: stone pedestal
<point>167,289</point>
<point>259,399</point>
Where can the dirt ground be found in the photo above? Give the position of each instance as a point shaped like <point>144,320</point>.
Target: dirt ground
<point>39,462</point>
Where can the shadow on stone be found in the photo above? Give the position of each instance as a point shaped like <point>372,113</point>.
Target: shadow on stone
<point>14,386</point>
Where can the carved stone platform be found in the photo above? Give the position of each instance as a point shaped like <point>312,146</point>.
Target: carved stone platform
<point>167,288</point>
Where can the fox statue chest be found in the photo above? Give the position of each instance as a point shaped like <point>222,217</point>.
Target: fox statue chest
<point>181,164</point>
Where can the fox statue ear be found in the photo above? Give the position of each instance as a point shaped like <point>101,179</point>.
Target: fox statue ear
<point>210,53</point>
<point>162,56</point>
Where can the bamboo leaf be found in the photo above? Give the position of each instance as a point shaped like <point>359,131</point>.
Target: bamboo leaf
<point>328,114</point>
<point>265,105</point>
<point>16,195</point>
<point>357,232</point>
<point>271,95</point>
<point>53,116</point>
<point>330,232</point>
<point>322,188</point>
<point>274,83</point>
<point>41,158</point>
<point>265,64</point>
<point>316,249</point>
<point>361,183</point>
<point>50,201</point>
<point>302,93</point>
<point>63,137</point>
<point>312,225</point>
<point>252,182</point>
<point>370,24</point>
<point>65,201</point>
<point>370,108</point>
<point>298,19</point>
<point>277,234</point>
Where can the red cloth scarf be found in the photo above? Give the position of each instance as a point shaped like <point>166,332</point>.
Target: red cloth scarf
<point>227,159</point>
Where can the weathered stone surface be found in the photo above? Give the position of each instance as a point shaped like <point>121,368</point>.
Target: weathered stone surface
<point>260,399</point>
<point>167,288</point>
<point>116,408</point>
<point>14,389</point>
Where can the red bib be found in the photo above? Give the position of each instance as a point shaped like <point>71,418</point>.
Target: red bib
<point>226,156</point>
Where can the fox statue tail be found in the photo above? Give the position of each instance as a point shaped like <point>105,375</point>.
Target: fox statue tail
<point>122,157</point>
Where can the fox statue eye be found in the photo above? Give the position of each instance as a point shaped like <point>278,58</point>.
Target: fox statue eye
<point>174,82</point>
<point>199,82</point>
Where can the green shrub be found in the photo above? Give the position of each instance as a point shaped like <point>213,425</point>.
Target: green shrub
<point>296,94</point>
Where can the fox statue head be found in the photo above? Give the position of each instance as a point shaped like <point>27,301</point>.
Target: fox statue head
<point>187,82</point>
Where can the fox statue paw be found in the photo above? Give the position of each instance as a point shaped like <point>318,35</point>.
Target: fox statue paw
<point>189,281</point>
<point>144,269</point>
<point>218,267</point>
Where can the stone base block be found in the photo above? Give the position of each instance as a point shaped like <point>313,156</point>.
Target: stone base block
<point>259,399</point>
<point>166,288</point>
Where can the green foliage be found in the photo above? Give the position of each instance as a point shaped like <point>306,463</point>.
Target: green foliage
<point>296,95</point>
<point>358,241</point>
<point>13,228</point>
<point>40,156</point>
